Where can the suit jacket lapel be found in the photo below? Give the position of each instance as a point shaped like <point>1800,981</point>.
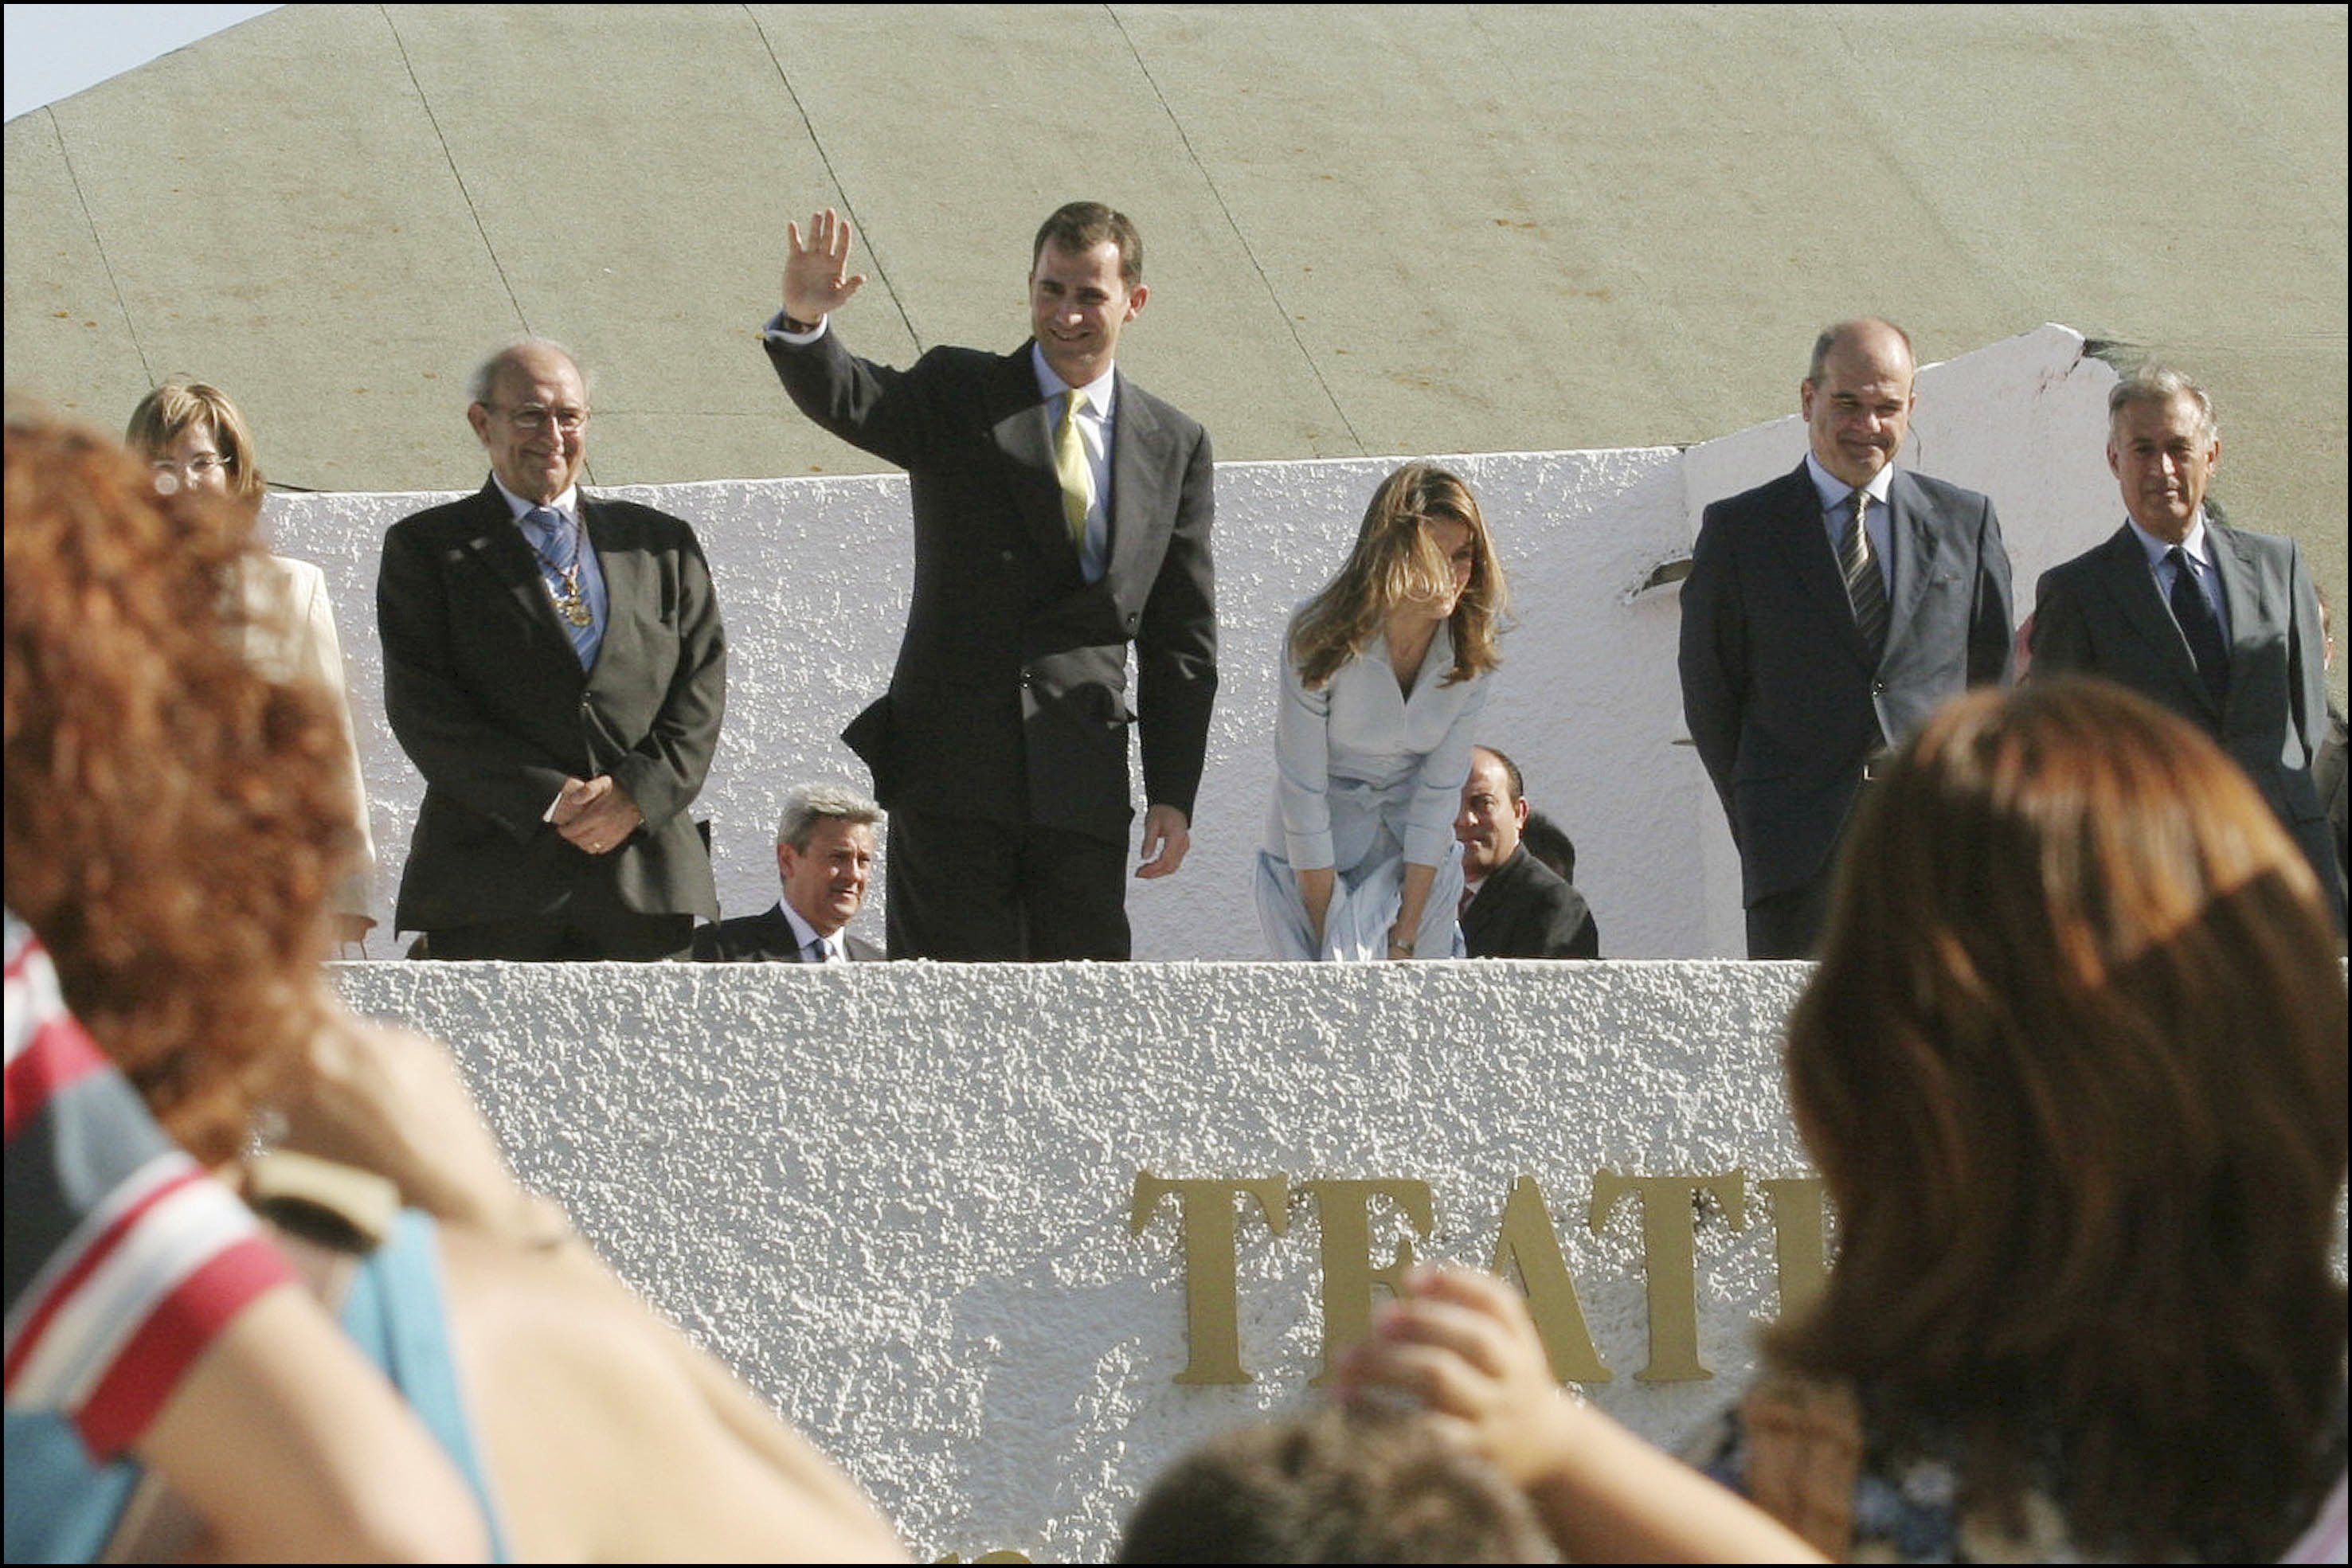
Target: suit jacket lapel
<point>1486,909</point>
<point>1909,530</point>
<point>1021,423</point>
<point>1137,453</point>
<point>2145,611</point>
<point>496,543</point>
<point>625,567</point>
<point>2242,591</point>
<point>1805,548</point>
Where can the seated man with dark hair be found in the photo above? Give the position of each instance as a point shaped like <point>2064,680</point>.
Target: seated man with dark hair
<point>1513,905</point>
<point>825,854</point>
<point>1361,1485</point>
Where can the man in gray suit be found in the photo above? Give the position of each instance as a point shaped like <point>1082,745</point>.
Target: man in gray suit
<point>2219,624</point>
<point>1061,516</point>
<point>1825,616</point>
<point>825,858</point>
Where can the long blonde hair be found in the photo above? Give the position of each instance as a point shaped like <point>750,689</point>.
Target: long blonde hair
<point>1396,561</point>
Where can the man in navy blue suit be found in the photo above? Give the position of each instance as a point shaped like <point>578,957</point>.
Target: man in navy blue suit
<point>1826,614</point>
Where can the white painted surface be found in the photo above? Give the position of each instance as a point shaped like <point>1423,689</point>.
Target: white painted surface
<point>895,1196</point>
<point>812,576</point>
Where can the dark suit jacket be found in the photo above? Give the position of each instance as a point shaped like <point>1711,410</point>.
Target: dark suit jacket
<point>488,700</point>
<point>1527,910</point>
<point>1783,702</point>
<point>1008,703</point>
<point>2100,614</point>
<point>766,937</point>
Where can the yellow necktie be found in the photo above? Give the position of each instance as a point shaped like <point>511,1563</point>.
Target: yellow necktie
<point>1070,463</point>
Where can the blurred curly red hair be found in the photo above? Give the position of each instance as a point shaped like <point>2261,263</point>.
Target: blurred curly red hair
<point>174,821</point>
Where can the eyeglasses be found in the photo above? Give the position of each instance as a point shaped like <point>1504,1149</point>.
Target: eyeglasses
<point>533,418</point>
<point>196,468</point>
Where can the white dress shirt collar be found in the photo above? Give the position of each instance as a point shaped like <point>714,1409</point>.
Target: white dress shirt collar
<point>2196,543</point>
<point>1833,491</point>
<point>1098,391</point>
<point>803,933</point>
<point>567,503</point>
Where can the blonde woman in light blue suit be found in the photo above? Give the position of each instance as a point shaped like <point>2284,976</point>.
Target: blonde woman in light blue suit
<point>1384,677</point>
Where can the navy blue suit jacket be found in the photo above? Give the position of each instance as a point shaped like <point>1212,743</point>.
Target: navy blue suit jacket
<point>1784,703</point>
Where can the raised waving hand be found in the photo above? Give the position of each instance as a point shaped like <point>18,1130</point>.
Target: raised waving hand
<point>817,279</point>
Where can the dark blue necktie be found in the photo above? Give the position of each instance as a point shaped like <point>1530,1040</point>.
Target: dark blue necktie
<point>2199,626</point>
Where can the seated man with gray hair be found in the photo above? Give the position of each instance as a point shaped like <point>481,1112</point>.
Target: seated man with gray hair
<point>824,854</point>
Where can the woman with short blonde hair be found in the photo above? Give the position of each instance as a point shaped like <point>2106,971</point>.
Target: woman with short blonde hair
<point>194,439</point>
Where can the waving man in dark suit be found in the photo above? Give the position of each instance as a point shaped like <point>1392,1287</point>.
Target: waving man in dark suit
<point>554,663</point>
<point>2220,624</point>
<point>1061,513</point>
<point>1826,614</point>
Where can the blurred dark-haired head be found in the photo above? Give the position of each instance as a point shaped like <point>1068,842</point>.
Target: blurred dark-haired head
<point>2073,1066</point>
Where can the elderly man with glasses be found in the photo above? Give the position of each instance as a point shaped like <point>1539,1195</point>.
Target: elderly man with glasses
<point>554,665</point>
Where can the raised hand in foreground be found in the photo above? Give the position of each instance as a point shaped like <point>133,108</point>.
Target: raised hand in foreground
<point>1463,1344</point>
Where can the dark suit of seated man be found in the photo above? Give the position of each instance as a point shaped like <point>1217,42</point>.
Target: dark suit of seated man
<point>825,854</point>
<point>1513,906</point>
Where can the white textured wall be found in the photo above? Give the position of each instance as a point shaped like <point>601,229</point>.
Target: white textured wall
<point>895,1196</point>
<point>812,576</point>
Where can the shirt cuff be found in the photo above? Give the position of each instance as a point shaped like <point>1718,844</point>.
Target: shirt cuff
<point>775,331</point>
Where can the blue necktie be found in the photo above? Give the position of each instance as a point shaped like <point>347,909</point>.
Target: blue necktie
<point>2199,626</point>
<point>557,545</point>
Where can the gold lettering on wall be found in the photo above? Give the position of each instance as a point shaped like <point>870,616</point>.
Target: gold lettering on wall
<point>1669,1258</point>
<point>1345,1208</point>
<point>1529,1246</point>
<point>1800,1239</point>
<point>1210,1213</point>
<point>1206,1213</point>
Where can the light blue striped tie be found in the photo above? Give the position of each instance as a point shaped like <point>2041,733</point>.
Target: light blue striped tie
<point>558,548</point>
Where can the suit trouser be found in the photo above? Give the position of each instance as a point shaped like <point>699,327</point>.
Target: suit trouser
<point>967,891</point>
<point>592,925</point>
<point>1789,925</point>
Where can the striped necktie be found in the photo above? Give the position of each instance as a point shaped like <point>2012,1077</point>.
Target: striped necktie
<point>557,546</point>
<point>1863,586</point>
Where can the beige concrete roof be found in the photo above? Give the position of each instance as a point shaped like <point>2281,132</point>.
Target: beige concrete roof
<point>1368,229</point>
